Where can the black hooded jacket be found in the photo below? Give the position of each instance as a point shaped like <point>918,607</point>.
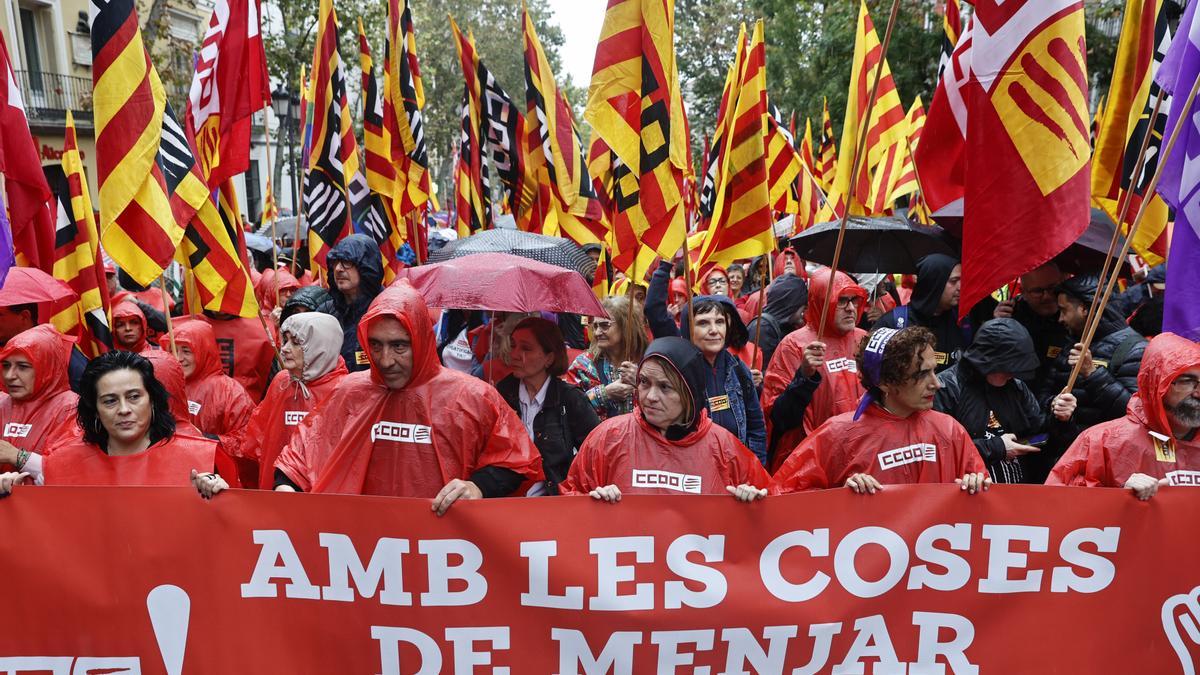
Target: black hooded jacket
<point>1000,346</point>
<point>307,298</point>
<point>786,294</point>
<point>362,252</point>
<point>689,362</point>
<point>1116,352</point>
<point>727,379</point>
<point>933,271</point>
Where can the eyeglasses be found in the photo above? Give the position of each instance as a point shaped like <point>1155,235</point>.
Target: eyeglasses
<point>1186,383</point>
<point>718,281</point>
<point>602,326</point>
<point>849,301</point>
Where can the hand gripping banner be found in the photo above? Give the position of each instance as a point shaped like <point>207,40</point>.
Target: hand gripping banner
<point>916,579</point>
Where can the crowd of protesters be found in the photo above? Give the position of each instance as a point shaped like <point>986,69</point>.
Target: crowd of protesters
<point>774,376</point>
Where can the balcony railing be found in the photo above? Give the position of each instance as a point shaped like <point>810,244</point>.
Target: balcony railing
<point>49,95</point>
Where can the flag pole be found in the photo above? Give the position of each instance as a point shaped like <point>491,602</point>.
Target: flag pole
<point>762,298</point>
<point>1137,222</point>
<point>817,187</point>
<point>1093,322</point>
<point>162,287</point>
<point>916,171</point>
<point>860,146</point>
<point>270,172</point>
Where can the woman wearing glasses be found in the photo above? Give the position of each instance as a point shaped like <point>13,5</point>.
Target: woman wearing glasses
<point>606,371</point>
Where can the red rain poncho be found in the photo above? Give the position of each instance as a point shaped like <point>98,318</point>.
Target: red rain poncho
<point>779,265</point>
<point>840,388</point>
<point>1107,454</point>
<point>217,403</point>
<point>49,410</point>
<point>410,442</point>
<point>627,452</point>
<point>244,345</point>
<point>129,310</point>
<point>167,463</point>
<point>925,447</point>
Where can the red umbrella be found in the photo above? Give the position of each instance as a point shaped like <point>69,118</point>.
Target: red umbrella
<point>25,285</point>
<point>500,282</point>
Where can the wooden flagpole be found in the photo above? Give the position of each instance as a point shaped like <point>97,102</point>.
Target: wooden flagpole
<point>1093,316</point>
<point>1094,320</point>
<point>166,300</point>
<point>859,152</point>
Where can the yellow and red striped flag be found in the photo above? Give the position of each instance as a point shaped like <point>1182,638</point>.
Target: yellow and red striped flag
<point>826,155</point>
<point>783,164</point>
<point>906,181</point>
<point>381,174</point>
<point>404,117</point>
<point>78,261</point>
<point>885,124</point>
<point>809,192</point>
<point>473,208</point>
<point>209,250</point>
<point>713,155</point>
<point>634,104</point>
<point>137,227</point>
<point>742,221</point>
<point>1125,122</point>
<point>566,204</point>
<point>270,212</point>
<point>333,157</point>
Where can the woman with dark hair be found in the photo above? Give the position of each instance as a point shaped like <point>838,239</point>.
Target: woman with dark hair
<point>895,436</point>
<point>557,416</point>
<point>605,372</point>
<point>129,435</point>
<point>668,445</point>
<point>731,387</point>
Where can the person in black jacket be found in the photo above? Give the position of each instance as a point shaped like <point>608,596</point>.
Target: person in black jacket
<point>1036,308</point>
<point>1000,412</point>
<point>557,416</point>
<point>355,277</point>
<point>934,305</point>
<point>1108,376</point>
<point>787,298</point>
<point>731,392</point>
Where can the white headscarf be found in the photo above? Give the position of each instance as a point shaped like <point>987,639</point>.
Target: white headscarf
<point>319,336</point>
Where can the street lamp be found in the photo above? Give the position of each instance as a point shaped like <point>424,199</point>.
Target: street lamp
<point>283,103</point>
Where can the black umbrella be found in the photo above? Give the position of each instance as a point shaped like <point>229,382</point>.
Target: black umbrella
<point>552,250</point>
<point>1086,255</point>
<point>872,244</point>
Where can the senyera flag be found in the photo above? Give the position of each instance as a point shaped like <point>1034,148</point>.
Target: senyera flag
<point>1028,141</point>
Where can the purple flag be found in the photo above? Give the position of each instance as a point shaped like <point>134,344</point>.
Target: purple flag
<point>1180,182</point>
<point>7,255</point>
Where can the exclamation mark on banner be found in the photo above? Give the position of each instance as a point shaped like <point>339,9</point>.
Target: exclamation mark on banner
<point>170,608</point>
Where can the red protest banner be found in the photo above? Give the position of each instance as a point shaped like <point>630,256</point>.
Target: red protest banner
<point>917,579</point>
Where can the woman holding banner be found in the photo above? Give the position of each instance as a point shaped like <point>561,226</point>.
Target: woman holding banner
<point>668,445</point>
<point>129,436</point>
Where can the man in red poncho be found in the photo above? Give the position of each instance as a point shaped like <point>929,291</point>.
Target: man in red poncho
<point>789,381</point>
<point>1155,443</point>
<point>129,328</point>
<point>39,404</point>
<point>895,436</point>
<point>219,405</point>
<point>409,427</point>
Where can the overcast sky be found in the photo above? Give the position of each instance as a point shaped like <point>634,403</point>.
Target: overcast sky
<point>580,21</point>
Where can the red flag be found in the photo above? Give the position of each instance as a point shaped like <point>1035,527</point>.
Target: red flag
<point>30,204</point>
<point>230,85</point>
<point>1028,143</point>
<point>939,158</point>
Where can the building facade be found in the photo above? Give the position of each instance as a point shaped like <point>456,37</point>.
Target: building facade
<point>50,45</point>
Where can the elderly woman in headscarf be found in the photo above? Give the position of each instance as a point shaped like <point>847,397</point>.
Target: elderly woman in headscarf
<point>311,354</point>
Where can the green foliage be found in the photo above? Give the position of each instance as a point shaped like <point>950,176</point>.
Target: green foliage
<point>495,23</point>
